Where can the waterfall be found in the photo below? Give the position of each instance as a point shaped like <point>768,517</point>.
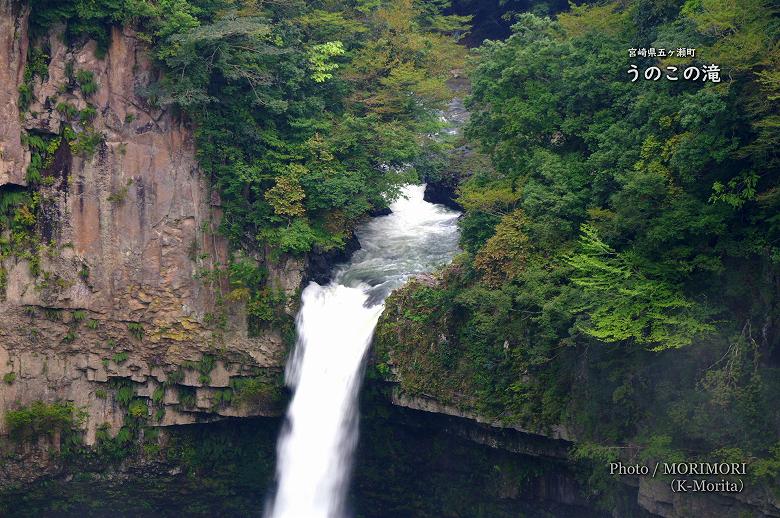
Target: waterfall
<point>335,326</point>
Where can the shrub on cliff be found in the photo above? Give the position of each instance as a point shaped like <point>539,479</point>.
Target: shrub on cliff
<point>39,418</point>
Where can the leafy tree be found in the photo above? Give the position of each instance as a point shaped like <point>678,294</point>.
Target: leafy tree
<point>504,255</point>
<point>286,196</point>
<point>622,303</point>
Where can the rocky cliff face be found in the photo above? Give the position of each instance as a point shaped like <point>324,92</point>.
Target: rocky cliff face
<point>121,287</point>
<point>13,42</point>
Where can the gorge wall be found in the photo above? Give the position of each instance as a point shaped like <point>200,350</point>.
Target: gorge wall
<point>116,305</point>
<point>120,285</point>
<point>113,295</point>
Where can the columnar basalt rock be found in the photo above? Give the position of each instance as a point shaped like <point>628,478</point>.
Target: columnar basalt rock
<point>13,51</point>
<point>127,238</point>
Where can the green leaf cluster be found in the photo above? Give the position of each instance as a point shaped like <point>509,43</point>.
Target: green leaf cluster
<point>41,418</point>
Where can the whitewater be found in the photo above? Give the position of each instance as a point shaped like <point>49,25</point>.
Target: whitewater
<point>335,326</point>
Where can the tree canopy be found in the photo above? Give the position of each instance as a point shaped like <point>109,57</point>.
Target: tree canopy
<point>621,241</point>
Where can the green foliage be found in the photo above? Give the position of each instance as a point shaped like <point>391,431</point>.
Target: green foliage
<point>622,303</point>
<point>436,368</point>
<point>41,418</point>
<point>255,390</point>
<point>504,255</point>
<point>86,142</point>
<point>660,448</point>
<point>245,276</point>
<point>187,397</point>
<point>120,195</point>
<point>298,174</point>
<point>136,330</point>
<point>158,394</point>
<point>768,468</point>
<point>124,391</point>
<point>286,196</point>
<point>37,66</point>
<point>89,19</point>
<point>138,408</point>
<point>319,56</point>
<point>87,114</point>
<point>596,458</point>
<point>222,398</point>
<point>9,378</point>
<point>575,145</point>
<point>42,150</point>
<point>120,357</point>
<point>86,81</point>
<point>52,314</point>
<point>113,448</point>
<point>265,307</point>
<point>84,272</point>
<point>431,16</point>
<point>607,223</point>
<point>67,110</point>
<point>70,336</point>
<point>204,366</point>
<point>3,282</point>
<point>26,96</point>
<point>175,377</point>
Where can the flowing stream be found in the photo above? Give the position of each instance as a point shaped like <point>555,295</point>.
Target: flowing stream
<point>335,326</point>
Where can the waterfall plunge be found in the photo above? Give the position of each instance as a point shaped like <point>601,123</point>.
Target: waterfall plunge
<point>335,326</point>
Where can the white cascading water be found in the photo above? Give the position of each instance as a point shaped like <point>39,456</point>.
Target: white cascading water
<point>335,326</point>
